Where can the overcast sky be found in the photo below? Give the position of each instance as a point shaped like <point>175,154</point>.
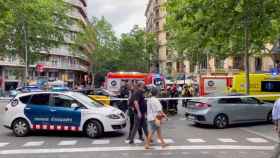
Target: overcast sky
<point>122,14</point>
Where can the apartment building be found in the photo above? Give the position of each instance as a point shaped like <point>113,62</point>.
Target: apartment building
<point>167,62</point>
<point>58,64</point>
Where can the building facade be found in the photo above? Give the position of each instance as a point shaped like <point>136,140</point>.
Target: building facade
<point>58,64</point>
<point>167,62</point>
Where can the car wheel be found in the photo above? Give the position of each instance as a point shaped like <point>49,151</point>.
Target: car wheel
<point>221,121</point>
<point>93,129</point>
<point>269,117</point>
<point>20,127</point>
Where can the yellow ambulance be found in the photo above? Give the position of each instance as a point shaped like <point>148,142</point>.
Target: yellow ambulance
<point>260,84</point>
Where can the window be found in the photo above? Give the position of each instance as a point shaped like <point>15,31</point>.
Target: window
<point>157,13</point>
<point>270,86</point>
<point>25,99</point>
<point>250,101</point>
<point>40,99</point>
<point>230,101</point>
<point>63,101</point>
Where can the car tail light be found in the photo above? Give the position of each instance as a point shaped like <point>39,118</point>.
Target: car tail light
<point>202,105</point>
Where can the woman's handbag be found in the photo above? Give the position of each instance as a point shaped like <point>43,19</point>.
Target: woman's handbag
<point>158,119</point>
<point>157,122</point>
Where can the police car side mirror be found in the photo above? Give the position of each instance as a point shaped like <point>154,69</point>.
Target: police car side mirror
<point>75,106</point>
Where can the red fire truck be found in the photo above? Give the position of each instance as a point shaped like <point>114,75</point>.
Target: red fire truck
<point>114,80</point>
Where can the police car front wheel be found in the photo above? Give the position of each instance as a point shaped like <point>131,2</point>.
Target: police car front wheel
<point>20,127</point>
<point>93,129</point>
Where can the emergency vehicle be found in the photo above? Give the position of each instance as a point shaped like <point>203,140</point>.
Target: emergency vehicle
<point>260,84</point>
<point>115,80</point>
<point>214,85</point>
<point>56,111</point>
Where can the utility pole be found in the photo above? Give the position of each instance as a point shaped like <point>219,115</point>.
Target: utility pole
<point>26,54</point>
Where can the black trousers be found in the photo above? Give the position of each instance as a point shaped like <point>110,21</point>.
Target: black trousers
<point>135,127</point>
<point>131,124</point>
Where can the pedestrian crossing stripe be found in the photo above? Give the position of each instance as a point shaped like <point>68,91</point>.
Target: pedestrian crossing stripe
<point>67,142</point>
<point>257,140</point>
<point>196,140</point>
<point>32,144</point>
<point>134,148</point>
<point>3,144</point>
<point>136,141</point>
<point>101,142</point>
<point>168,141</point>
<point>227,140</point>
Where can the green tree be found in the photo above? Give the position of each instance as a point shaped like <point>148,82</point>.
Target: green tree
<point>32,26</point>
<point>225,27</point>
<point>101,47</point>
<point>105,56</point>
<point>136,50</point>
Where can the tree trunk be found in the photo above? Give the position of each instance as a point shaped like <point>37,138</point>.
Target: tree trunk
<point>246,40</point>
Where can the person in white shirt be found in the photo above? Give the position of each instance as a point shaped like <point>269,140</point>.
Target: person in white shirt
<point>154,117</point>
<point>276,121</point>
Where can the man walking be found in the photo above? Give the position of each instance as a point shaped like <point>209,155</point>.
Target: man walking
<point>276,121</point>
<point>138,109</point>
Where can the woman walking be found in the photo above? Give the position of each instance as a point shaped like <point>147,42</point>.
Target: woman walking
<point>154,117</point>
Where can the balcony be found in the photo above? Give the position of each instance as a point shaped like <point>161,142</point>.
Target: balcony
<point>12,61</point>
<point>64,66</point>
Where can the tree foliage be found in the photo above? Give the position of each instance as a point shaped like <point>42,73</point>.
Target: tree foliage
<point>105,55</point>
<point>44,21</point>
<point>218,26</point>
<point>136,50</point>
<point>224,27</point>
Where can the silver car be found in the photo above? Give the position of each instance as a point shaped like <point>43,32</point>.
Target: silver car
<point>222,112</point>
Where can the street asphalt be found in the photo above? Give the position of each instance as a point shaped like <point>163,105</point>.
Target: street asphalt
<point>184,139</point>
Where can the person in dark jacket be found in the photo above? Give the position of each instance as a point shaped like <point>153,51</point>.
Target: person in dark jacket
<point>137,104</point>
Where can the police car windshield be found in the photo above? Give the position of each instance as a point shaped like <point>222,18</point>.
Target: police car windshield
<point>86,100</point>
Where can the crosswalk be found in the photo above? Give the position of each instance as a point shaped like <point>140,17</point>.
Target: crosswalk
<point>187,141</point>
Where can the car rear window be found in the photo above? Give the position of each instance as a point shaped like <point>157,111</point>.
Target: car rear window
<point>40,99</point>
<point>230,101</point>
<point>25,99</point>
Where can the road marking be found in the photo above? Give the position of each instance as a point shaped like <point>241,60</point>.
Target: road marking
<point>260,134</point>
<point>183,119</point>
<point>132,148</point>
<point>227,140</point>
<point>101,142</point>
<point>33,144</point>
<point>67,142</point>
<point>3,144</point>
<point>257,140</point>
<point>136,141</point>
<point>168,141</point>
<point>196,140</point>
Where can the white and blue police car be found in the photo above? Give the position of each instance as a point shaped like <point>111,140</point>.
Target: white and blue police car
<point>57,111</point>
